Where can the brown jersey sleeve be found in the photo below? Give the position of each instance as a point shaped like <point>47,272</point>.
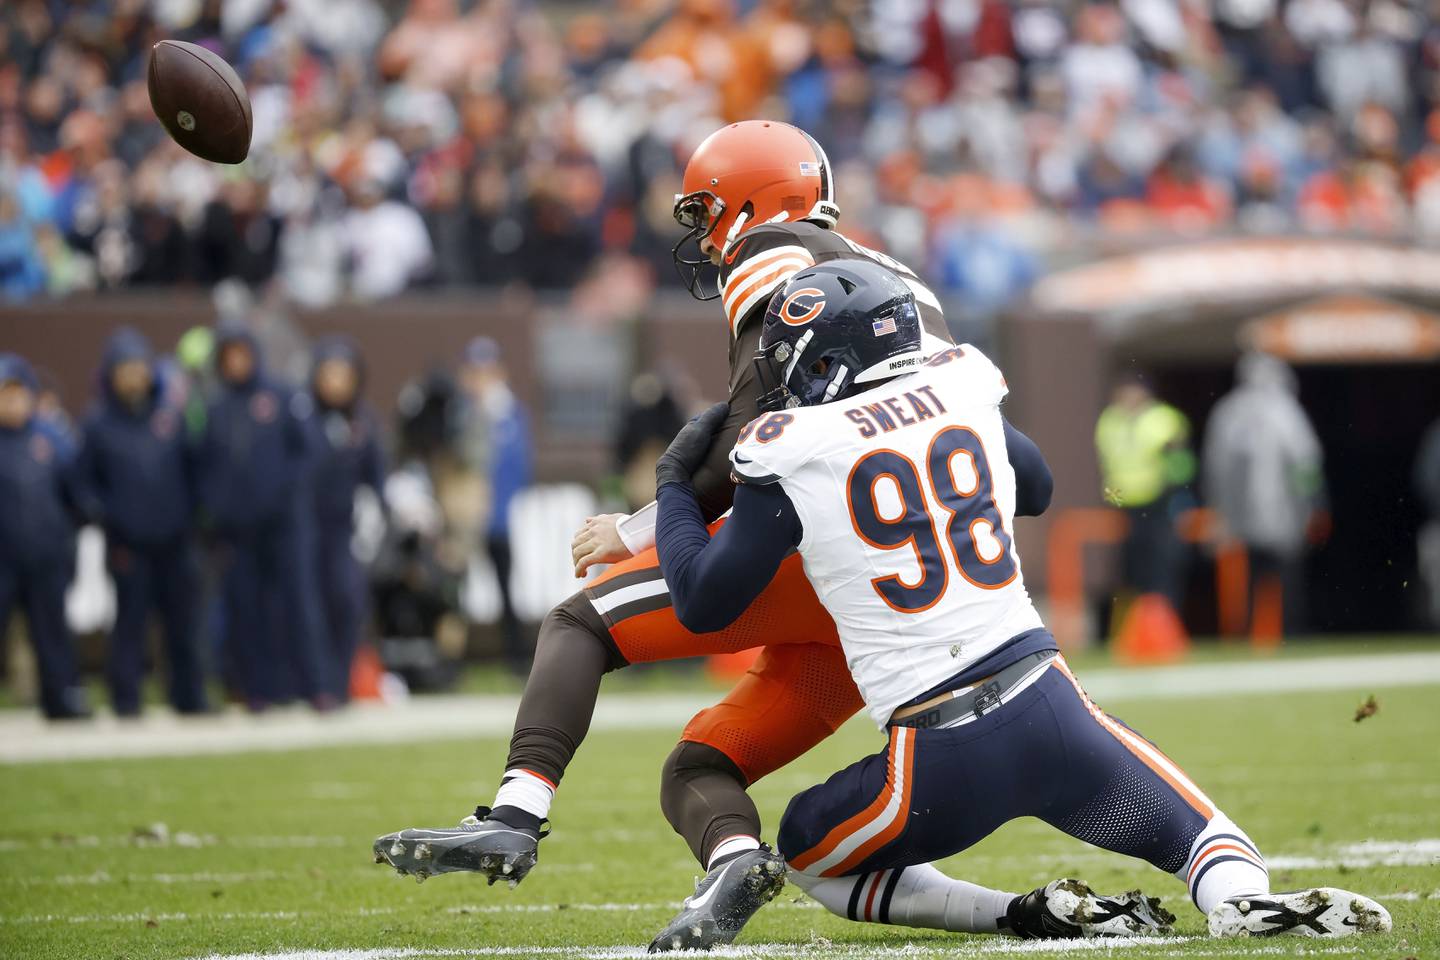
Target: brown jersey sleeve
<point>713,486</point>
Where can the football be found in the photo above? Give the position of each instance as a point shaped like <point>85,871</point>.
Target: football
<point>200,100</point>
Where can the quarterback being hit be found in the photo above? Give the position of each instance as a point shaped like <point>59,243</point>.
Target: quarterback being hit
<point>758,206</point>
<point>888,471</point>
<point>869,538</point>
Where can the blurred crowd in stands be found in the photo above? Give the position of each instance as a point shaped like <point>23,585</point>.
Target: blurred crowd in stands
<point>443,142</point>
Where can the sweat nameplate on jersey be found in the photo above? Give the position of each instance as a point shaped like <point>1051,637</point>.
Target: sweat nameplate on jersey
<point>892,413</point>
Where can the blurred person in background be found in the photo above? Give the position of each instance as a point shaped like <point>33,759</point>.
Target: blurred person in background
<point>194,381</point>
<point>37,538</point>
<point>516,143</point>
<point>494,412</point>
<point>254,467</point>
<point>1262,470</point>
<point>1145,460</point>
<point>22,272</point>
<point>386,243</point>
<point>51,413</point>
<point>135,478</point>
<point>348,456</point>
<point>651,419</point>
<point>238,237</point>
<point>1427,485</point>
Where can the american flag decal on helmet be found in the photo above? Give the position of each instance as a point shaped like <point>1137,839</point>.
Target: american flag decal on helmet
<point>809,168</point>
<point>884,325</point>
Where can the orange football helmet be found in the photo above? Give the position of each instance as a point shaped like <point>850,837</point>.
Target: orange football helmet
<point>755,171</point>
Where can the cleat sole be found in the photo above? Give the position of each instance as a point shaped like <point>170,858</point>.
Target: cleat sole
<point>1322,912</point>
<point>414,856</point>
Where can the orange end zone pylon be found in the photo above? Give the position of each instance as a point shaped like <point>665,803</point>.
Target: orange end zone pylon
<point>1150,632</point>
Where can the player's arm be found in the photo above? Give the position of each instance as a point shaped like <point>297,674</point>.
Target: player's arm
<point>713,581</point>
<point>713,487</point>
<point>1034,484</point>
<point>611,538</point>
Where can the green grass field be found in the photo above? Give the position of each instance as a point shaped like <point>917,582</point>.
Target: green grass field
<point>270,853</point>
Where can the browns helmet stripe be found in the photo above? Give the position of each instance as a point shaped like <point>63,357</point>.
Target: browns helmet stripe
<point>827,192</point>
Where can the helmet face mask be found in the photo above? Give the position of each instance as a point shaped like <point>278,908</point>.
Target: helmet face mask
<point>771,364</point>
<point>699,213</point>
<point>856,325</point>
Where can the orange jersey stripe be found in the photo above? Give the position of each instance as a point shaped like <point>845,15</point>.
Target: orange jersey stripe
<point>892,830</point>
<point>1139,748</point>
<point>761,261</point>
<point>765,274</point>
<point>837,834</point>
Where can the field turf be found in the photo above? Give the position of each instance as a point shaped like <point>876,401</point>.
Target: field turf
<point>270,853</point>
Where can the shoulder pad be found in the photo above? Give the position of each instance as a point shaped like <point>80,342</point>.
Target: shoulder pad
<point>971,368</point>
<point>765,452</point>
<point>757,264</point>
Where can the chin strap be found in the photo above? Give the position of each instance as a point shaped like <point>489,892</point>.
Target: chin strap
<point>740,220</point>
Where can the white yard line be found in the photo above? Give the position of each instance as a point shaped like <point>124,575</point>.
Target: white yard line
<point>25,738</point>
<point>1366,854</point>
<point>976,947</point>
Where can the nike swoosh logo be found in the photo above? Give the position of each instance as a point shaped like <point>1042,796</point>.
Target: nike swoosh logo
<point>734,252</point>
<point>740,459</point>
<point>696,903</point>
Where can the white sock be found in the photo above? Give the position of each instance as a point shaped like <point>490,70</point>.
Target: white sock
<point>919,896</point>
<point>527,790</point>
<point>730,846</point>
<point>1223,863</point>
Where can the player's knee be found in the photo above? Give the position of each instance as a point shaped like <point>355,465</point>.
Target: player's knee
<point>688,762</point>
<point>797,827</point>
<point>574,623</point>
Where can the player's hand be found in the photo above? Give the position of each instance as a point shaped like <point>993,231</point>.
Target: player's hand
<point>598,541</point>
<point>687,451</point>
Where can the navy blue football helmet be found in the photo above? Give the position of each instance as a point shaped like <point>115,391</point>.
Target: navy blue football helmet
<point>833,329</point>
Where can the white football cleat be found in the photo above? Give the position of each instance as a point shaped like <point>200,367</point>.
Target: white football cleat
<point>1318,912</point>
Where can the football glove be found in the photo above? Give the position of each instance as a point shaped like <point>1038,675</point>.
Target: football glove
<point>690,446</point>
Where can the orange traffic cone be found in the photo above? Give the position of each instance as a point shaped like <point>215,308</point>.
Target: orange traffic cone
<point>366,673</point>
<point>1150,632</point>
<point>1267,624</point>
<point>731,666</point>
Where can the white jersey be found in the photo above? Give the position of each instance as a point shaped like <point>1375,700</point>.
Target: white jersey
<point>907,500</point>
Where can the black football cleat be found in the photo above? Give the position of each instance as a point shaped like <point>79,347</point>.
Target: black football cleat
<point>1319,912</point>
<point>723,902</point>
<point>480,844</point>
<point>1064,909</point>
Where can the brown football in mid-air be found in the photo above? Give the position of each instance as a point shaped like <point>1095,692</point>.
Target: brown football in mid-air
<point>200,100</point>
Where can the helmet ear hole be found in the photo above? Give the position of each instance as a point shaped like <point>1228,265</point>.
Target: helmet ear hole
<point>820,367</point>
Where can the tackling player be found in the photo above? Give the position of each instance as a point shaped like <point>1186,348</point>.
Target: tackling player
<point>892,476</point>
<point>759,201</point>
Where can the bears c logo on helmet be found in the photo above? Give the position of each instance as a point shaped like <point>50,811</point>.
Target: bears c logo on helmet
<point>802,306</point>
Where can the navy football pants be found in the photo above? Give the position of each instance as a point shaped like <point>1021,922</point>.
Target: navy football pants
<point>40,592</point>
<point>163,578</point>
<point>1049,753</point>
<point>272,623</point>
<point>342,596</point>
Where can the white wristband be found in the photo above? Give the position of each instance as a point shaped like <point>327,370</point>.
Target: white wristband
<point>637,531</point>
